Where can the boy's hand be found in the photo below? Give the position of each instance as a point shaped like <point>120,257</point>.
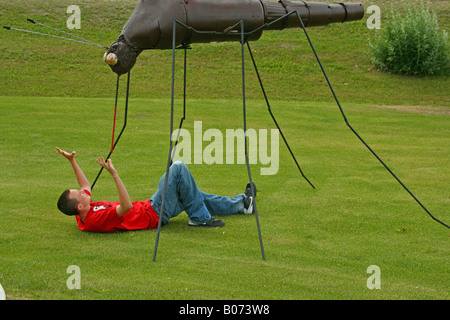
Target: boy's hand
<point>69,156</point>
<point>107,165</point>
<point>81,178</point>
<point>125,202</point>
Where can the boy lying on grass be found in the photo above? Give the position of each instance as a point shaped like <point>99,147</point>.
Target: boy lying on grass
<point>182,194</point>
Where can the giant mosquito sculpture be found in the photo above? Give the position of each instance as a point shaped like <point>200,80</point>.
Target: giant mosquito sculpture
<point>176,24</point>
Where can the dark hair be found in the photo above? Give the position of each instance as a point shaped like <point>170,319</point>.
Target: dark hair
<point>66,205</point>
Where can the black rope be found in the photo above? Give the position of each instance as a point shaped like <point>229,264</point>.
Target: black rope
<point>67,33</point>
<point>273,117</point>
<point>123,127</point>
<point>354,131</point>
<point>245,137</point>
<point>172,150</point>
<point>169,160</point>
<point>184,106</point>
<point>47,35</point>
<point>80,39</point>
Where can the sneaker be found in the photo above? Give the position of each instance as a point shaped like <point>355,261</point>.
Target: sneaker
<point>249,198</point>
<point>214,223</point>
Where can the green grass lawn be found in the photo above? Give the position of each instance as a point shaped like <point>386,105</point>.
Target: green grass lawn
<point>318,243</point>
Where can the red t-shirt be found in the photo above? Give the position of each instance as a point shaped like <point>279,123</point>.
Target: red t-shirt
<point>103,217</point>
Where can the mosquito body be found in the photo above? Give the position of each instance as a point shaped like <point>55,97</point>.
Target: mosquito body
<point>150,24</point>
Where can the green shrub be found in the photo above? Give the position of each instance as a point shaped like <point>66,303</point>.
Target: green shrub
<point>412,44</point>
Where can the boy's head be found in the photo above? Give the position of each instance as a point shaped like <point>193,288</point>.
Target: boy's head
<point>72,201</point>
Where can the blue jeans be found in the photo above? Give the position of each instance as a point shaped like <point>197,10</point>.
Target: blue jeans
<point>182,194</point>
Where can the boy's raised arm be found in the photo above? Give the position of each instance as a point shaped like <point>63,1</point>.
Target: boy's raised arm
<point>81,178</point>
<point>125,202</point>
